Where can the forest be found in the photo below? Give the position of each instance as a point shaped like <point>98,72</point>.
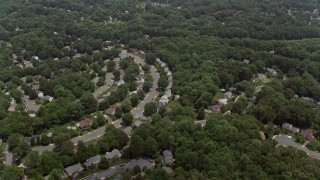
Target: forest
<point>266,54</point>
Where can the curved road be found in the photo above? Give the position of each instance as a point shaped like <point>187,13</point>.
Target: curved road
<point>105,87</point>
<point>284,140</point>
<point>137,112</point>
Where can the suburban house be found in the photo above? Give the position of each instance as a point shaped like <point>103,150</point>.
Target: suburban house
<point>308,99</point>
<point>223,101</point>
<point>168,170</point>
<point>36,87</point>
<point>216,108</point>
<point>47,98</point>
<point>138,123</point>
<point>73,170</point>
<point>289,127</point>
<point>308,134</point>
<point>127,130</point>
<point>92,161</point>
<point>85,123</point>
<point>111,111</point>
<point>272,71</point>
<point>227,95</point>
<point>163,100</point>
<point>201,122</point>
<point>167,157</point>
<point>12,107</point>
<point>113,154</point>
<point>120,82</point>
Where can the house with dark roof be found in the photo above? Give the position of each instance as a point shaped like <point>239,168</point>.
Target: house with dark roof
<point>227,95</point>
<point>308,134</point>
<point>167,157</point>
<point>113,154</point>
<point>85,123</point>
<point>289,127</point>
<point>93,160</point>
<point>168,170</point>
<point>73,170</point>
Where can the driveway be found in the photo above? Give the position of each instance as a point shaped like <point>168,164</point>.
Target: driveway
<point>9,157</point>
<point>286,141</point>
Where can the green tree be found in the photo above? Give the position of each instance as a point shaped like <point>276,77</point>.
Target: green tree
<point>150,108</point>
<point>126,106</point>
<point>118,112</point>
<point>134,100</point>
<point>136,146</point>
<point>150,147</point>
<point>89,103</point>
<point>110,66</point>
<point>104,164</point>
<point>127,119</point>
<point>100,119</point>
<point>49,161</point>
<point>12,172</point>
<point>56,174</point>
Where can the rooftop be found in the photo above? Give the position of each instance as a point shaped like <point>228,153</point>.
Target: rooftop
<point>113,154</point>
<point>85,123</point>
<point>70,170</point>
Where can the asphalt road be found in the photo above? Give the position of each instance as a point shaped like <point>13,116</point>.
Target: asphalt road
<point>141,162</point>
<point>138,111</point>
<point>85,138</point>
<point>102,89</point>
<point>284,140</point>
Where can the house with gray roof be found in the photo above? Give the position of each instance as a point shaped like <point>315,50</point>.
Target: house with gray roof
<point>113,154</point>
<point>138,123</point>
<point>73,170</point>
<point>289,127</point>
<point>227,95</point>
<point>168,170</point>
<point>93,160</point>
<point>167,157</point>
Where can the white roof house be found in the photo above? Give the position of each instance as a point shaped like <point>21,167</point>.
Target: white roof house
<point>223,101</point>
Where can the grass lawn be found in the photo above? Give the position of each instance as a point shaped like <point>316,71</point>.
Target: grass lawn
<point>219,95</point>
<point>259,83</point>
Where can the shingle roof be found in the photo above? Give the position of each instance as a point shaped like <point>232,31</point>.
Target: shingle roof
<point>93,160</point>
<point>113,154</point>
<point>85,123</point>
<point>308,134</point>
<point>286,126</point>
<point>74,168</point>
<point>166,153</point>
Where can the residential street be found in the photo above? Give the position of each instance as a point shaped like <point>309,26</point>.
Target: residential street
<point>141,162</point>
<point>102,89</point>
<point>138,111</point>
<point>85,138</point>
<point>284,140</point>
